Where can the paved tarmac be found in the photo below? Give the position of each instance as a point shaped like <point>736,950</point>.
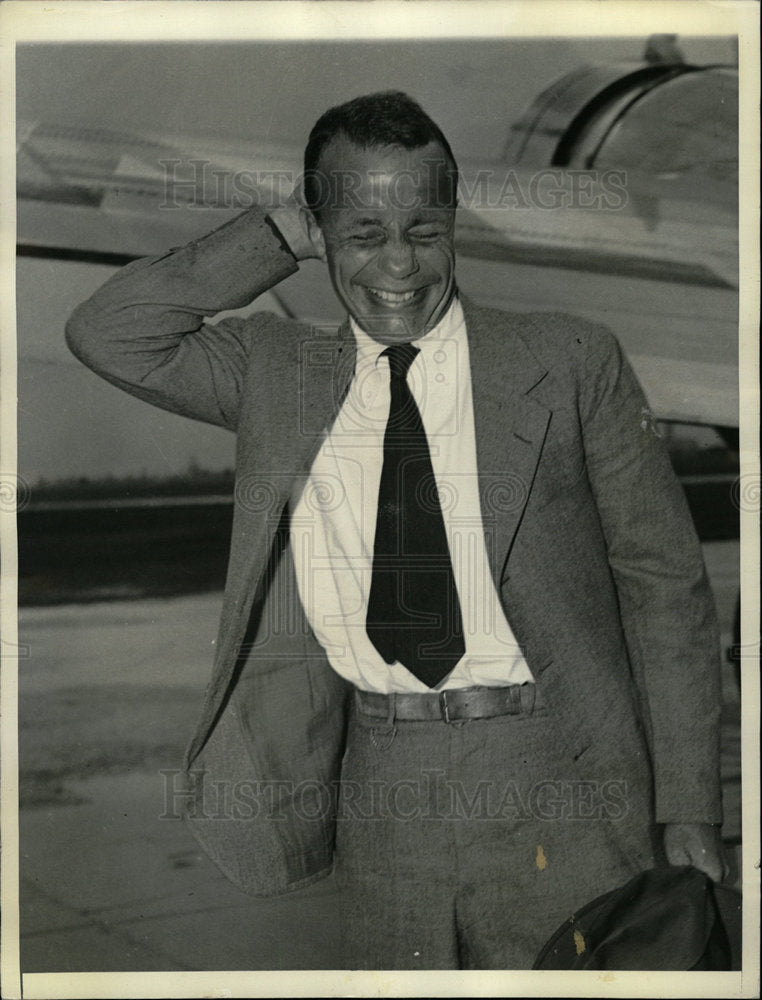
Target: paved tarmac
<point>109,885</point>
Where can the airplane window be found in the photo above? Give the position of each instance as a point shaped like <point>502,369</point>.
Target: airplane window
<point>685,126</point>
<point>672,124</point>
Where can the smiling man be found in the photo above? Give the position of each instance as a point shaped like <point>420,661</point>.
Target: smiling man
<point>468,657</point>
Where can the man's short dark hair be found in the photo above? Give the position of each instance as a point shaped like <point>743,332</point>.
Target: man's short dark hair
<point>387,118</point>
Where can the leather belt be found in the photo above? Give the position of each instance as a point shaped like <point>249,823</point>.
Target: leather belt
<point>448,706</point>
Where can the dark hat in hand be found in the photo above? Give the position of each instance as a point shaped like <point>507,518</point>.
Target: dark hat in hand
<point>667,918</point>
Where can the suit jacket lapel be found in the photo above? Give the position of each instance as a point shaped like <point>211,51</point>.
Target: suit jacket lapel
<point>510,426</point>
<point>300,397</point>
<point>325,373</point>
<point>292,419</point>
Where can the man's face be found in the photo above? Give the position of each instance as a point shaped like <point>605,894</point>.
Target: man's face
<point>386,232</point>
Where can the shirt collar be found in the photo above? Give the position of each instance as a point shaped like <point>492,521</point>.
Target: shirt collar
<point>450,327</point>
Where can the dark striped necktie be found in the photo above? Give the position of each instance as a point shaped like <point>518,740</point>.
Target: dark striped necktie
<point>414,613</point>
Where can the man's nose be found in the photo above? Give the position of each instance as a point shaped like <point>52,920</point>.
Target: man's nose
<point>398,259</point>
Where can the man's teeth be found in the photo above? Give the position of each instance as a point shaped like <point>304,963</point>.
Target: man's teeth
<point>396,297</point>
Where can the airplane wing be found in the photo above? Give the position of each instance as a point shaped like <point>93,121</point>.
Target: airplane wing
<point>615,200</point>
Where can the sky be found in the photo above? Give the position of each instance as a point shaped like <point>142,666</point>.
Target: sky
<point>73,424</point>
<point>473,88</point>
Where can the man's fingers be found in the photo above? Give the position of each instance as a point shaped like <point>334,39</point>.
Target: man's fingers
<point>699,845</point>
<point>677,855</point>
<point>712,866</point>
<point>297,192</point>
<point>681,848</point>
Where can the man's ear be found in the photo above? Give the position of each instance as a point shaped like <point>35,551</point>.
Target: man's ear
<point>315,232</point>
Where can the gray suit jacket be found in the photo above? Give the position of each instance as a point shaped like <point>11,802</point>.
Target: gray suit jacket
<point>589,540</point>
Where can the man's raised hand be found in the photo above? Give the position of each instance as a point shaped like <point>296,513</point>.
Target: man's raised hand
<point>293,222</point>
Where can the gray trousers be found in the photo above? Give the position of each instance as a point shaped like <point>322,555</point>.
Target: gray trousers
<point>465,845</point>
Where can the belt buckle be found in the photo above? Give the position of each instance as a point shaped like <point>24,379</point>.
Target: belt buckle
<point>444,708</point>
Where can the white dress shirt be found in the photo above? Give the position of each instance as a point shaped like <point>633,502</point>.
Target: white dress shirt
<point>333,524</point>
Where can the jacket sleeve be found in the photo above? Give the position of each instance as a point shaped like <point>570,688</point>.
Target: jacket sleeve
<point>144,330</point>
<point>666,605</point>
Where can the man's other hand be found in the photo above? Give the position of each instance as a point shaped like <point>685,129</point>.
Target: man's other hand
<point>292,219</point>
<point>697,844</point>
